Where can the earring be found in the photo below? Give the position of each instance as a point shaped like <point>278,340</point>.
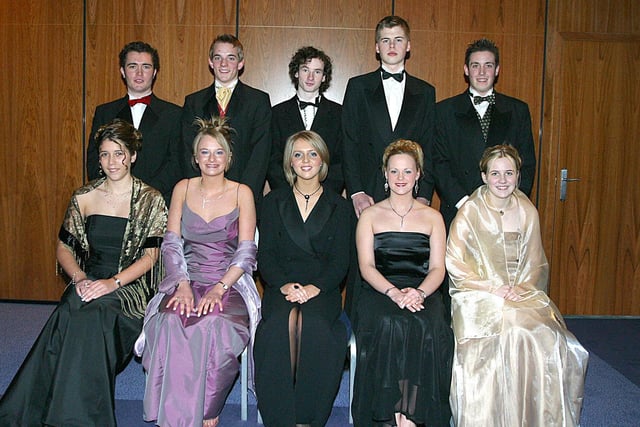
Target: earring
<point>100,171</point>
<point>386,187</point>
<point>415,189</point>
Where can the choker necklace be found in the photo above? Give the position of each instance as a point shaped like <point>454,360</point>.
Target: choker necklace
<point>405,214</point>
<point>306,196</point>
<point>500,211</point>
<point>206,200</point>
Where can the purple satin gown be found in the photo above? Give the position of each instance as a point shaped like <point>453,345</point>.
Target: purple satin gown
<point>191,364</point>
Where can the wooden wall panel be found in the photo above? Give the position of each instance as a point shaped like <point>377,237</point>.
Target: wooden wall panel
<point>271,31</point>
<point>41,85</point>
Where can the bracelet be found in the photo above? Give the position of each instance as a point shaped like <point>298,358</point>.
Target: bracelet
<point>386,293</point>
<point>422,293</point>
<point>224,285</point>
<point>118,281</point>
<point>73,276</point>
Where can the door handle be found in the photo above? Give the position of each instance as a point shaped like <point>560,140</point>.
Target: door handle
<point>563,184</point>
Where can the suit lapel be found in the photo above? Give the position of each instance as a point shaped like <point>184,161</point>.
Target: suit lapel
<point>293,222</point>
<point>211,104</point>
<point>379,110</point>
<point>300,232</point>
<point>124,111</point>
<point>149,117</point>
<point>322,118</point>
<point>467,118</point>
<point>500,123</point>
<point>410,100</point>
<point>292,114</point>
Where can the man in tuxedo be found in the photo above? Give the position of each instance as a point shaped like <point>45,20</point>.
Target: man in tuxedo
<point>380,107</point>
<point>247,110</point>
<point>468,123</point>
<point>158,163</point>
<point>310,72</point>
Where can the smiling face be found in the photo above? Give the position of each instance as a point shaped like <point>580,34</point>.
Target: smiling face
<point>211,157</point>
<point>138,73</point>
<point>225,63</point>
<point>305,160</point>
<point>501,177</point>
<point>392,46</point>
<point>401,173</point>
<point>482,71</point>
<point>310,76</point>
<point>115,160</point>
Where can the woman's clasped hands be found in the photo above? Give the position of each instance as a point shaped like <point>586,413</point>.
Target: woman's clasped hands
<point>295,292</point>
<point>507,292</point>
<point>407,298</point>
<point>89,290</point>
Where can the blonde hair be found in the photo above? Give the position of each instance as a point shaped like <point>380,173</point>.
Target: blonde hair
<point>499,151</point>
<point>216,128</point>
<point>404,146</point>
<point>318,145</point>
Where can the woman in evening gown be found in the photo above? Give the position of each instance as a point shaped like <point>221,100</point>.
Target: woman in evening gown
<point>404,343</point>
<point>305,249</point>
<point>208,307</point>
<point>107,244</point>
<point>515,361</point>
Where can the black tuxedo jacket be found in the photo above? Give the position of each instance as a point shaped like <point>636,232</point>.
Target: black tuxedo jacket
<point>286,120</point>
<point>249,114</point>
<point>158,163</point>
<point>367,131</point>
<point>459,146</point>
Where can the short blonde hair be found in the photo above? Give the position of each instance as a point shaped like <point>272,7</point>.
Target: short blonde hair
<point>316,142</point>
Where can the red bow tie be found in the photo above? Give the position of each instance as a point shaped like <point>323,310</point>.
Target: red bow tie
<point>144,100</point>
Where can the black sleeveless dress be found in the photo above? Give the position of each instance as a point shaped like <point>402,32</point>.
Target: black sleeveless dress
<point>404,358</point>
<point>68,377</point>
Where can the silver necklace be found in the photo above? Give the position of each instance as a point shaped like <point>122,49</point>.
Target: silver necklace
<point>206,200</point>
<point>306,196</point>
<point>405,214</point>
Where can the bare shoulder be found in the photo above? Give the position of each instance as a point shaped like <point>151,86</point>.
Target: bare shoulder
<point>428,212</point>
<point>182,185</point>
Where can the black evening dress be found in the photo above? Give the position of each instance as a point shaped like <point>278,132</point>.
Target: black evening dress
<point>68,377</point>
<point>404,358</point>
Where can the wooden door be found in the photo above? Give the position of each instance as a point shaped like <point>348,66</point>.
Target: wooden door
<point>591,129</point>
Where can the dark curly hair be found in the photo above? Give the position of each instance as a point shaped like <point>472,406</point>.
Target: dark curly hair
<point>303,56</point>
<point>122,133</point>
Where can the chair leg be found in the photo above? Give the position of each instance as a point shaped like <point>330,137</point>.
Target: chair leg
<point>244,387</point>
<point>352,371</point>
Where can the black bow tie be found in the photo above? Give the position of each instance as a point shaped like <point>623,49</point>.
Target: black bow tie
<point>396,76</point>
<point>305,104</point>
<point>491,99</point>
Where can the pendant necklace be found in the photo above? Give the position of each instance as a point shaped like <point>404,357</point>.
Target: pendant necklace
<point>405,214</point>
<point>306,196</point>
<point>500,211</point>
<point>206,200</point>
